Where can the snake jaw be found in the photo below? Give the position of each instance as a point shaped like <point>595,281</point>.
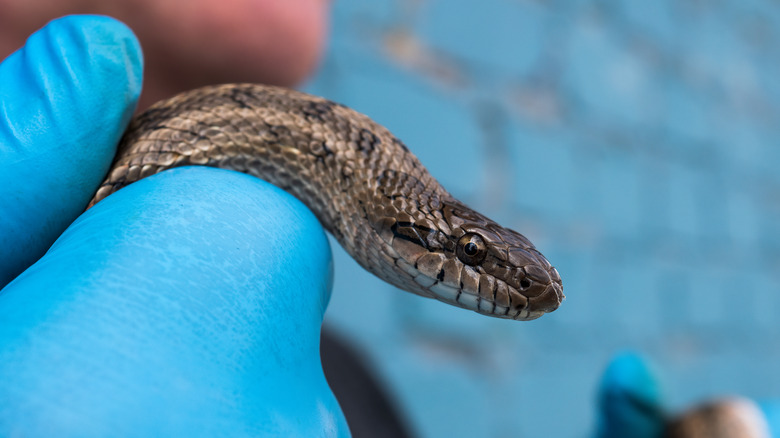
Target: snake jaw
<point>536,279</point>
<point>546,301</point>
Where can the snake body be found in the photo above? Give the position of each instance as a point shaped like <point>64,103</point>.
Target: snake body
<point>362,183</point>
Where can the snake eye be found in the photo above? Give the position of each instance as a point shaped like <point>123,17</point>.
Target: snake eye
<point>471,249</point>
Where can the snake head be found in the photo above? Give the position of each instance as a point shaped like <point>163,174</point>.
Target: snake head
<point>467,260</point>
<point>503,274</point>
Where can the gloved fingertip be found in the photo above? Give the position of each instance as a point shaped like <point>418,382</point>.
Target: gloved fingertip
<point>65,99</point>
<point>114,64</point>
<point>629,371</point>
<point>72,73</point>
<point>629,399</point>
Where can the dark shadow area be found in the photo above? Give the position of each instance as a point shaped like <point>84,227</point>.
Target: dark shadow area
<point>367,406</point>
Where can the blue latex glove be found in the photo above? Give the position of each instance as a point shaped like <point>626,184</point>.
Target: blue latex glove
<point>631,404</point>
<point>65,99</point>
<point>629,400</point>
<point>187,304</point>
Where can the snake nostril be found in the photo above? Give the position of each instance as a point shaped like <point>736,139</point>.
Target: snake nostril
<point>525,283</point>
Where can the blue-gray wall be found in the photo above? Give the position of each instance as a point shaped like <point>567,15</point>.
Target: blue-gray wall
<point>635,142</point>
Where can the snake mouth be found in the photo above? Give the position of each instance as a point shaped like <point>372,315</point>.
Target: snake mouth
<point>522,307</point>
<point>547,301</point>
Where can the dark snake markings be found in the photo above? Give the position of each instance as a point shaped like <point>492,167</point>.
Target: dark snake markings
<point>362,183</point>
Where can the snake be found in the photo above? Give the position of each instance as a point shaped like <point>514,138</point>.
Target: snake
<point>362,183</point>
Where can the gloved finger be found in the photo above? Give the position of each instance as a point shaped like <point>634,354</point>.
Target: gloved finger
<point>187,304</point>
<point>629,399</point>
<point>65,99</point>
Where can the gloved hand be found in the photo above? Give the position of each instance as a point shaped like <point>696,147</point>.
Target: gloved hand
<point>187,304</point>
<point>629,400</point>
<point>630,404</point>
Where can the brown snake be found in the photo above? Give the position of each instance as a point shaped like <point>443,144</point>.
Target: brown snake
<point>362,183</point>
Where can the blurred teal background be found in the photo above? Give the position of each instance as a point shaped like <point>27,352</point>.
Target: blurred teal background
<point>635,143</point>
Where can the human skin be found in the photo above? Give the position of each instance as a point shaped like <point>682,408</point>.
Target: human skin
<point>192,43</point>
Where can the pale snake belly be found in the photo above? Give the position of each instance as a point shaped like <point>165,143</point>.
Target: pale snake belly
<point>362,183</point>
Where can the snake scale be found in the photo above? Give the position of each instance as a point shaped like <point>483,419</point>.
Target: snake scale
<point>362,183</point>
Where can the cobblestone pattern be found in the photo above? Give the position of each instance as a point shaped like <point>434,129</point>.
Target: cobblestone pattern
<point>636,143</point>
